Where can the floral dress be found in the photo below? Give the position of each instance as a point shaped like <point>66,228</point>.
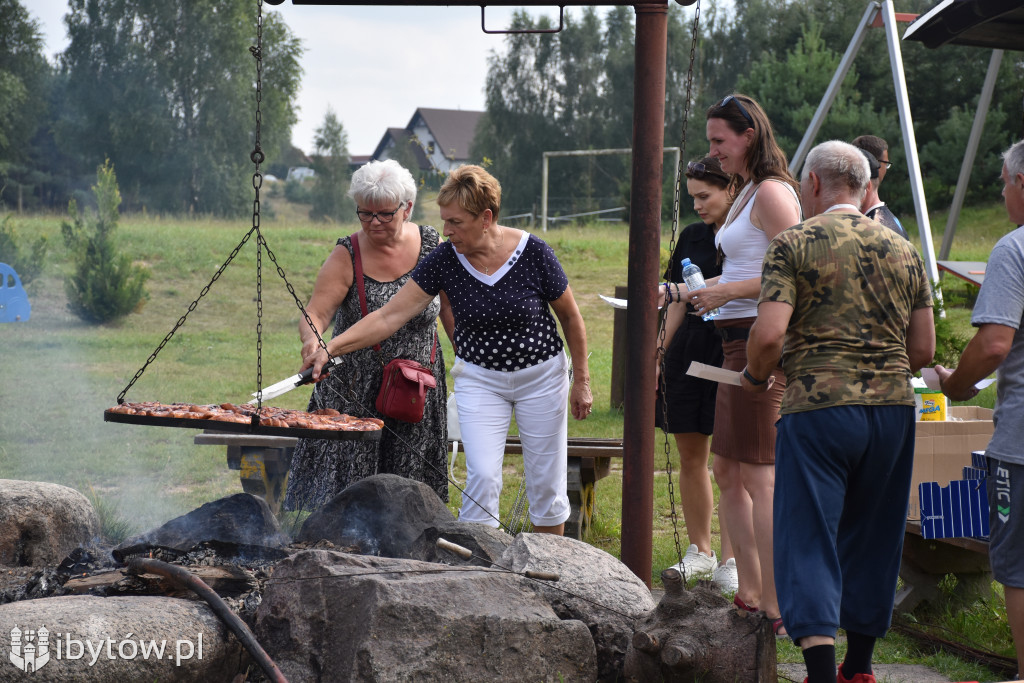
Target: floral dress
<point>321,468</point>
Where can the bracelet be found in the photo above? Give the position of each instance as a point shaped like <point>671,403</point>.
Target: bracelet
<point>750,378</point>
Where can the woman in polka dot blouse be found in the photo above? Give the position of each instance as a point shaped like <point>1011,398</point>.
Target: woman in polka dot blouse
<point>503,285</point>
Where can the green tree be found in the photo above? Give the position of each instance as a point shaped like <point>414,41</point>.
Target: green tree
<point>24,87</point>
<point>791,89</point>
<point>104,284</point>
<point>520,123</point>
<point>165,90</point>
<point>330,162</point>
<point>26,259</point>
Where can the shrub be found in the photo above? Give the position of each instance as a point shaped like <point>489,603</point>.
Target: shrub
<point>950,340</point>
<point>26,259</point>
<point>104,284</point>
<point>297,192</point>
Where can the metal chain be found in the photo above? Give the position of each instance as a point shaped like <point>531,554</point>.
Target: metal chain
<point>181,320</point>
<point>676,199</point>
<point>257,158</point>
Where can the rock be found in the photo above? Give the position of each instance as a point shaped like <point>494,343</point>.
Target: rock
<point>381,515</point>
<point>40,523</point>
<point>329,616</point>
<point>593,587</point>
<point>698,635</point>
<point>242,519</point>
<point>98,639</point>
<point>486,543</point>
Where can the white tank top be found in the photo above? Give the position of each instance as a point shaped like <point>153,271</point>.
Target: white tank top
<point>744,246</point>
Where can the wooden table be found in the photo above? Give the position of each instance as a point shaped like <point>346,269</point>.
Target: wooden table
<point>971,271</point>
<point>926,561</point>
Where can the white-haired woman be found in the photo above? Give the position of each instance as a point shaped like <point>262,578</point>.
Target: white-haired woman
<point>390,246</point>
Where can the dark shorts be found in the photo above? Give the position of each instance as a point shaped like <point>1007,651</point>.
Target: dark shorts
<point>1006,521</point>
<point>691,401</point>
<point>842,483</point>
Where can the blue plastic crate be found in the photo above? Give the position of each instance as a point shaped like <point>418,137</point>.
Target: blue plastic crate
<point>957,510</point>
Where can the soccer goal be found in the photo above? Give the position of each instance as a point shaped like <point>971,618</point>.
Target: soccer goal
<point>581,153</point>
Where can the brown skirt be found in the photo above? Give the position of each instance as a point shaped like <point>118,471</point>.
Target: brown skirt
<point>745,422</point>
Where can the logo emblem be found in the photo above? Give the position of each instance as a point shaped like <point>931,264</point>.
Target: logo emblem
<point>30,650</point>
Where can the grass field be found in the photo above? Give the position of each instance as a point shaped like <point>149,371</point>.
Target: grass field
<point>58,374</point>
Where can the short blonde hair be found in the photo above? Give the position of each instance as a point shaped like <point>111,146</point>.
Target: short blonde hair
<point>473,189</point>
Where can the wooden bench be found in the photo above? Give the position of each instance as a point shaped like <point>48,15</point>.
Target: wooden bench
<point>589,461</point>
<point>926,561</point>
<point>263,463</point>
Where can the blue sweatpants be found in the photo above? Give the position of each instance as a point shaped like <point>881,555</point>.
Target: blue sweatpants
<point>842,486</point>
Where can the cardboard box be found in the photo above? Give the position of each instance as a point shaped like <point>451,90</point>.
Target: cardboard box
<point>942,449</point>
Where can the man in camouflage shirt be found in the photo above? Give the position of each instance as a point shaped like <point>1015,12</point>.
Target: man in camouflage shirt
<point>846,305</point>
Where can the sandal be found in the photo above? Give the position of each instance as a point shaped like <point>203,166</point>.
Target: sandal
<point>779,629</point>
<point>743,606</point>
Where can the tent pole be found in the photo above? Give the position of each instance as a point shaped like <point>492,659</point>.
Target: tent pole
<point>910,144</point>
<point>833,88</point>
<point>972,151</point>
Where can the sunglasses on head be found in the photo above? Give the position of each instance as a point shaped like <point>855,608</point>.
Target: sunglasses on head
<point>739,105</point>
<point>701,170</point>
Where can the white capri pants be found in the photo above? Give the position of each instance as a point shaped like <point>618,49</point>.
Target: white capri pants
<point>486,400</point>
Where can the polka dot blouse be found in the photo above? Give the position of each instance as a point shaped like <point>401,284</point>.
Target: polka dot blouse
<point>502,320</point>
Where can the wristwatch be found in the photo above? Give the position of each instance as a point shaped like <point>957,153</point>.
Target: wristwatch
<point>750,378</point>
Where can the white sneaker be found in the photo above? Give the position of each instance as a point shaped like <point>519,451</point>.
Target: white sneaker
<point>696,564</point>
<point>725,577</point>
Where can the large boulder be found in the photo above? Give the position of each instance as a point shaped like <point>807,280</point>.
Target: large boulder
<point>117,639</point>
<point>41,523</point>
<point>593,587</point>
<point>241,519</point>
<point>485,543</point>
<point>330,616</point>
<point>381,515</point>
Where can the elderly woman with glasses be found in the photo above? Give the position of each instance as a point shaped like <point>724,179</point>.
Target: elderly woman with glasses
<point>503,284</point>
<point>390,247</point>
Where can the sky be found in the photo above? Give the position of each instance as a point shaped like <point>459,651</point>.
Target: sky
<point>373,65</point>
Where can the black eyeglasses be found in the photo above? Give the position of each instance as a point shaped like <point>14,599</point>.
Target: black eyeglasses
<point>739,105</point>
<point>382,216</point>
<point>887,164</point>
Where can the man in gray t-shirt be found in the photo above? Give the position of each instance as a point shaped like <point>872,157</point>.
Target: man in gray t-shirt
<point>999,345</point>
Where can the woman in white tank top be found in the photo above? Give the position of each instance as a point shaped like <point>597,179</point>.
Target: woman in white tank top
<point>740,135</point>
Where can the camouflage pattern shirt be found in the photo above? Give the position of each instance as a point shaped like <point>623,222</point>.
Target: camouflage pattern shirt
<point>853,284</point>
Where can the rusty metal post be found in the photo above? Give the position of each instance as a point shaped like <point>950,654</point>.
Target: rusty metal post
<point>644,240</point>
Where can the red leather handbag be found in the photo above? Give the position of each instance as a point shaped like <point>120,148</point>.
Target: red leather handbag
<point>403,390</point>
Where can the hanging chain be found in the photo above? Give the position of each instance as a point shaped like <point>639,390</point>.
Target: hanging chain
<point>181,320</point>
<point>257,158</point>
<point>662,342</point>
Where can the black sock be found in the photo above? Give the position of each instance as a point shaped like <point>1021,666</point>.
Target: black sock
<point>821,663</point>
<point>859,649</point>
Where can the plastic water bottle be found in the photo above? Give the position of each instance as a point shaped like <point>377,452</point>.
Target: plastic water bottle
<point>694,280</point>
